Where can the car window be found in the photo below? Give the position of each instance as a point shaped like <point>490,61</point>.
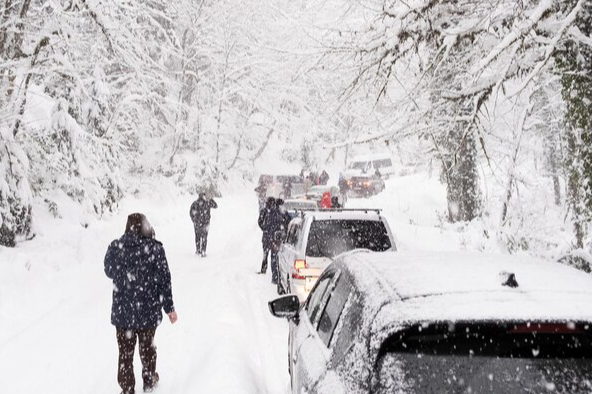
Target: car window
<point>494,358</point>
<point>359,165</point>
<point>317,298</point>
<point>290,234</point>
<point>348,327</point>
<point>328,238</point>
<point>382,163</point>
<point>336,302</point>
<point>293,234</point>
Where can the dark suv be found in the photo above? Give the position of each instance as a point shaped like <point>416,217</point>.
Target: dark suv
<point>441,323</point>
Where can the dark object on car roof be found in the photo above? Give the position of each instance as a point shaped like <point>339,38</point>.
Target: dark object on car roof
<point>510,280</point>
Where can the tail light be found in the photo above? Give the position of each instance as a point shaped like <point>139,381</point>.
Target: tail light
<point>298,265</point>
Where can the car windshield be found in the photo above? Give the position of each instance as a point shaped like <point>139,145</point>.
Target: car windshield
<point>358,165</point>
<point>488,358</point>
<point>328,238</point>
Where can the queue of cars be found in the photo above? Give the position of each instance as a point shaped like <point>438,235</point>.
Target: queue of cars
<point>363,177</point>
<point>366,318</point>
<point>294,188</point>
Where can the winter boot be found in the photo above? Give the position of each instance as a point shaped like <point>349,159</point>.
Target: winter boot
<point>149,386</point>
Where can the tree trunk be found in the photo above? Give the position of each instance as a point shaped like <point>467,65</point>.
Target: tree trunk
<point>512,171</point>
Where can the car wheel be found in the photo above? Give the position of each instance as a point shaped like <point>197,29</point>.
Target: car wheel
<point>288,288</point>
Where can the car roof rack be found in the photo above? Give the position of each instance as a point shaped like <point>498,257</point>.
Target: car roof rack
<point>365,210</point>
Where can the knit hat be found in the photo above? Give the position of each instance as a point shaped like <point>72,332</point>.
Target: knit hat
<point>138,224</point>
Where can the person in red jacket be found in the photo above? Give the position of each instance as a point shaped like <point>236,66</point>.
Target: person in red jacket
<point>326,200</point>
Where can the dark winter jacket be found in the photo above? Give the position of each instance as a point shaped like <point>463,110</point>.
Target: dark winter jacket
<point>323,178</point>
<point>141,281</point>
<point>271,220</point>
<point>200,211</point>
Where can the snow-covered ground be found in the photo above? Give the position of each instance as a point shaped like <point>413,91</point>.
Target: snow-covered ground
<point>55,331</point>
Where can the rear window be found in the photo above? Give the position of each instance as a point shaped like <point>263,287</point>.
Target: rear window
<point>358,165</point>
<point>382,163</point>
<point>488,358</point>
<point>328,238</point>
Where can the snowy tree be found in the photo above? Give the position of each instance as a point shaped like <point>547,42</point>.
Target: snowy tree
<point>575,65</point>
<point>461,55</point>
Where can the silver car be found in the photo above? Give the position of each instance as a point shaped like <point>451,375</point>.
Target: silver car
<point>447,322</point>
<point>313,241</point>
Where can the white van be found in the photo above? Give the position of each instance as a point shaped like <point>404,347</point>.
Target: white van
<point>368,164</point>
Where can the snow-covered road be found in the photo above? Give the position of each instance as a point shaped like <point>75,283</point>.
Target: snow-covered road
<point>55,334</point>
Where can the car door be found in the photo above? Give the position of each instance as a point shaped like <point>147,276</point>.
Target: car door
<point>287,253</point>
<point>308,350</point>
<point>333,332</point>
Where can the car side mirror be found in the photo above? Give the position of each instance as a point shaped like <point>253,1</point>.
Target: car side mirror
<point>287,306</point>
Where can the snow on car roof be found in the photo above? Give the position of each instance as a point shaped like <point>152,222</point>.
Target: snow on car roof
<point>300,201</point>
<point>323,187</point>
<point>458,286</point>
<point>344,215</point>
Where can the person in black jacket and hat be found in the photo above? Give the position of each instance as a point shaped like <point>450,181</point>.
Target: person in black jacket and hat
<point>137,264</point>
<point>273,223</point>
<point>200,215</point>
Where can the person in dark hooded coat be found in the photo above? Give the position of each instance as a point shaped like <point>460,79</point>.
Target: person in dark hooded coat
<point>200,216</point>
<point>335,202</point>
<point>137,265</point>
<point>272,222</point>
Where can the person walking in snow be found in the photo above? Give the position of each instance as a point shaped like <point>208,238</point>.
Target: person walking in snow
<point>200,215</point>
<point>137,265</point>
<point>287,188</point>
<point>323,178</point>
<point>271,221</point>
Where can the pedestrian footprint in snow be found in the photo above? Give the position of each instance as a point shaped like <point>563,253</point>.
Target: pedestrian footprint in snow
<point>142,288</point>
<point>200,215</point>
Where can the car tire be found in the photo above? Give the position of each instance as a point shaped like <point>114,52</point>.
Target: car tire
<point>288,288</point>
